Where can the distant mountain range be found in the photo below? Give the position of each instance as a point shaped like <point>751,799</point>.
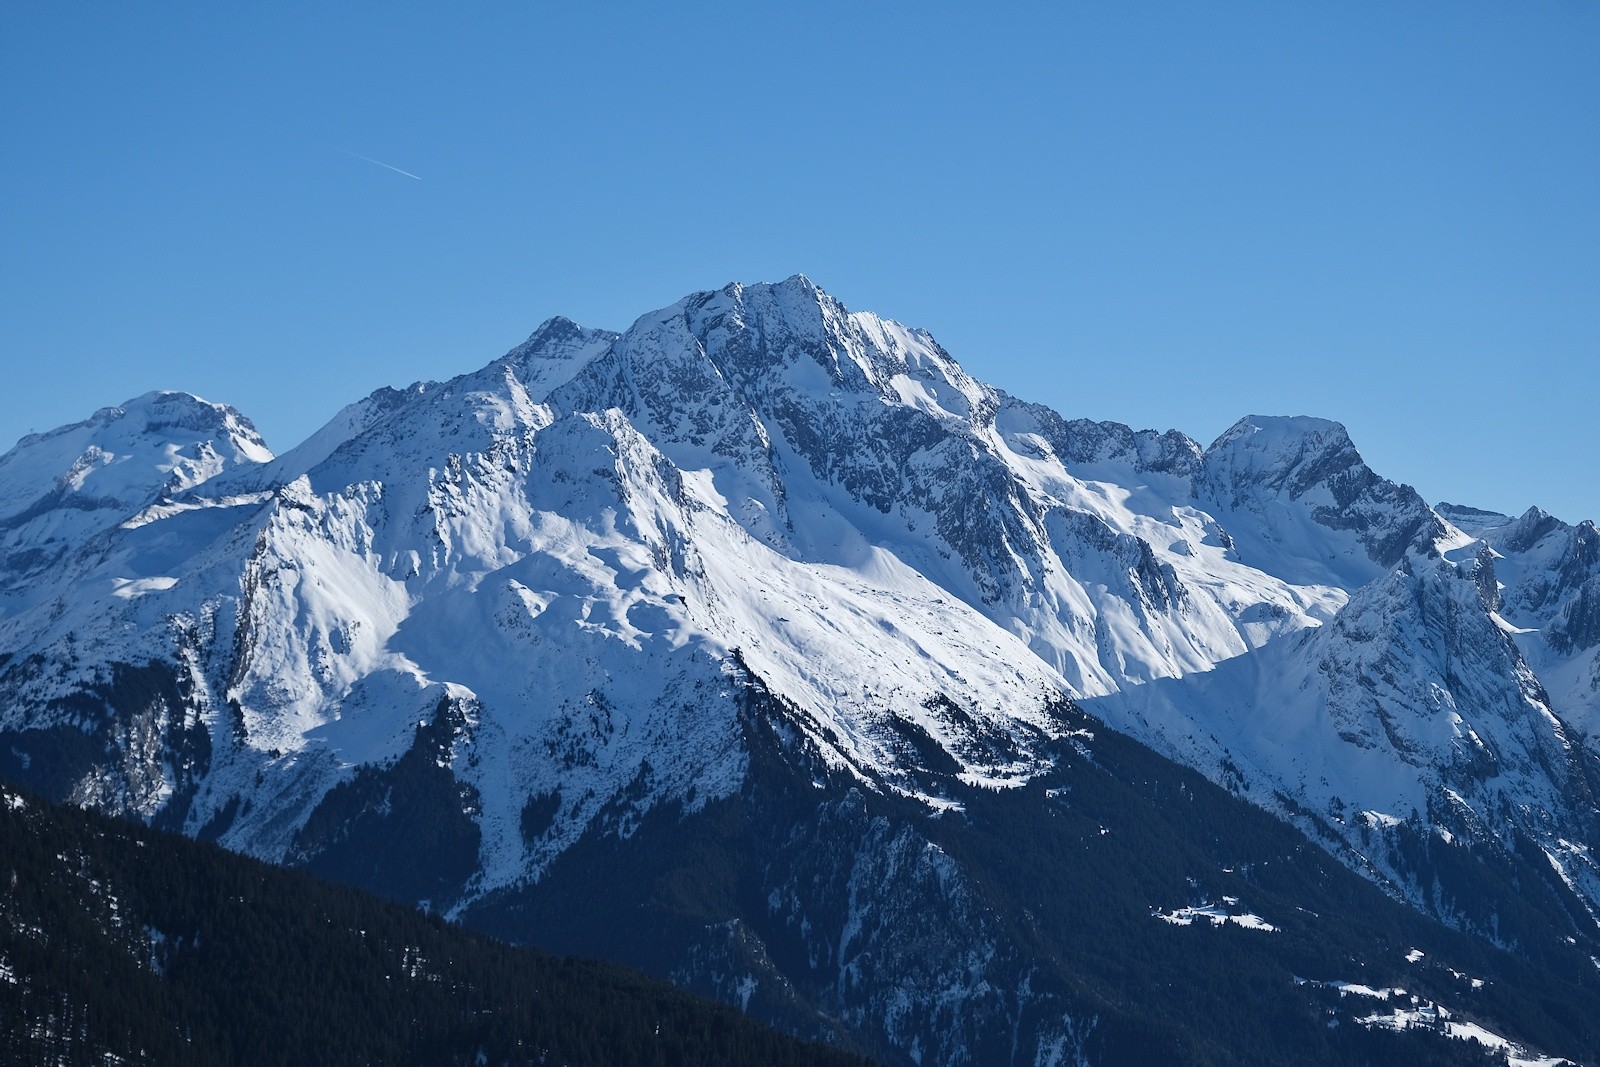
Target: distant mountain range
<point>762,647</point>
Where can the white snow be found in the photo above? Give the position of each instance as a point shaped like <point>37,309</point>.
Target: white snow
<point>128,588</point>
<point>1217,915</point>
<point>1436,1018</point>
<point>1358,989</point>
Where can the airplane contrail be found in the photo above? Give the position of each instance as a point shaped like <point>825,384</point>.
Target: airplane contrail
<point>381,163</point>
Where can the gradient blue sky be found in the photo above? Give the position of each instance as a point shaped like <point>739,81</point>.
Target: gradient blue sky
<point>1169,214</point>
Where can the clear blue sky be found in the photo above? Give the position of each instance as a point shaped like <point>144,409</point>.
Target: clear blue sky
<point>1169,214</point>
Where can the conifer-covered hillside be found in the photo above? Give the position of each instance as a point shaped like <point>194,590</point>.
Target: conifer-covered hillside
<point>120,944</point>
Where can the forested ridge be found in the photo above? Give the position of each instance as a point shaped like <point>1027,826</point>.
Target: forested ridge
<point>122,944</point>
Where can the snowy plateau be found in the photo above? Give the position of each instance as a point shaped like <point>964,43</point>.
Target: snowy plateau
<point>509,646</point>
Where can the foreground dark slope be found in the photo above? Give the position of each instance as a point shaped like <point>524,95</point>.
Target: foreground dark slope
<point>1033,912</point>
<point>122,944</point>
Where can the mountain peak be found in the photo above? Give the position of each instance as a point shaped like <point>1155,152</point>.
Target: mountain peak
<point>127,453</point>
<point>796,302</point>
<point>1529,528</point>
<point>795,285</point>
<point>1471,520</point>
<point>155,411</point>
<point>1311,465</point>
<point>556,327</point>
<point>1291,454</point>
<point>790,337</point>
<point>59,488</point>
<point>555,353</point>
<point>1270,434</point>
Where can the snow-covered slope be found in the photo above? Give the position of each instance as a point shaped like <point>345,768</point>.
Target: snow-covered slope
<point>59,490</point>
<point>542,591</point>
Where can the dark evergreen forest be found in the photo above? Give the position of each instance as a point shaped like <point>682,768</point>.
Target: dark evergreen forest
<point>121,944</point>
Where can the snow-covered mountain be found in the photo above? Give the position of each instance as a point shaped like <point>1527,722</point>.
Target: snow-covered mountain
<point>500,617</point>
<point>61,491</point>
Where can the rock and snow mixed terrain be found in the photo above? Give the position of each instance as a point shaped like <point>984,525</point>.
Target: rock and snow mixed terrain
<point>545,588</point>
